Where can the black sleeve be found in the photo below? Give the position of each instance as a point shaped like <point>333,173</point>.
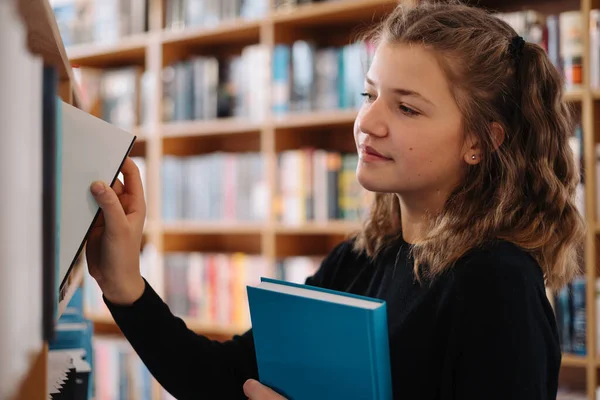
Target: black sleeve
<point>506,339</point>
<point>189,365</point>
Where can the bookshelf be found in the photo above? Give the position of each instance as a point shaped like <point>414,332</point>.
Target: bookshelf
<point>43,40</point>
<point>330,23</point>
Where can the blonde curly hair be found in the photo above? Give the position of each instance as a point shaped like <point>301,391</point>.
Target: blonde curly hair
<point>522,191</point>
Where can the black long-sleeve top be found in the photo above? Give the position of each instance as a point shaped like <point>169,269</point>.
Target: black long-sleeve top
<point>483,330</point>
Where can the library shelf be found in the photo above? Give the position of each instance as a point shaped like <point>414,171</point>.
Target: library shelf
<point>334,227</point>
<point>315,119</point>
<point>106,325</point>
<point>237,30</point>
<point>573,95</point>
<point>572,360</point>
<point>126,51</point>
<point>212,228</point>
<point>334,12</point>
<point>220,126</point>
<point>319,228</point>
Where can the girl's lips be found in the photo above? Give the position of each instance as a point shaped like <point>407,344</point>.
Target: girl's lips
<point>370,154</point>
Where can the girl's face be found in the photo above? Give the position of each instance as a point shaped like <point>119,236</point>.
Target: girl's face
<point>408,132</point>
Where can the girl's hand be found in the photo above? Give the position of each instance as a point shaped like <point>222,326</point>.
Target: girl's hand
<point>113,246</point>
<point>257,391</point>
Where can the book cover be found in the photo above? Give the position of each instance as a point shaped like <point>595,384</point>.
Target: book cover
<point>315,343</point>
<point>91,149</point>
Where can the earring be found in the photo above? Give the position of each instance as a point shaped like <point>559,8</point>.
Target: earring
<point>473,157</point>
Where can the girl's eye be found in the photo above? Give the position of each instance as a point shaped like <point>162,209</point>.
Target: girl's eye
<point>408,111</point>
<point>367,96</point>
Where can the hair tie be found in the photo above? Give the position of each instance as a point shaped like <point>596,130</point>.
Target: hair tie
<point>515,48</point>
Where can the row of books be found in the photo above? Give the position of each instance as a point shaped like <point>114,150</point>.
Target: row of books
<point>318,185</point>
<point>209,87</point>
<point>309,78</point>
<point>118,95</point>
<point>290,4</point>
<point>182,14</point>
<point>208,287</point>
<point>99,21</point>
<point>570,308</point>
<point>312,185</point>
<point>70,356</point>
<point>121,374</point>
<point>211,287</point>
<point>561,35</point>
<point>304,76</point>
<point>214,186</point>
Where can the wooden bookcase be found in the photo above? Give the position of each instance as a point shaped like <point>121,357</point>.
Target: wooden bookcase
<point>43,39</point>
<point>158,47</point>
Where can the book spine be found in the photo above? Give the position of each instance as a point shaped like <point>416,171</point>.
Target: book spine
<point>381,354</point>
<point>51,203</point>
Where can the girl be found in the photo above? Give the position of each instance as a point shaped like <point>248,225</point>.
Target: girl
<point>463,138</point>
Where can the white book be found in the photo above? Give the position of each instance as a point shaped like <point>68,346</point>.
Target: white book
<point>91,150</point>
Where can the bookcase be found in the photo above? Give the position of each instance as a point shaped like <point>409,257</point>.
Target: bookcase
<point>42,45</point>
<point>269,131</point>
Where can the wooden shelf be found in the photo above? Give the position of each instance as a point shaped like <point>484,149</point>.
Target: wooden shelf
<point>220,126</point>
<point>234,31</point>
<point>232,228</point>
<point>105,325</point>
<point>128,50</point>
<point>572,360</point>
<point>212,228</point>
<point>596,94</point>
<point>315,119</point>
<point>319,228</point>
<point>574,95</point>
<point>333,12</point>
<point>43,38</point>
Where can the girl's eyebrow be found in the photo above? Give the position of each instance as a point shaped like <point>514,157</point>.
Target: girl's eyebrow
<point>403,92</point>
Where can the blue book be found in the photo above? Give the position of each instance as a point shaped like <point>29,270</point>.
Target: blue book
<point>314,343</point>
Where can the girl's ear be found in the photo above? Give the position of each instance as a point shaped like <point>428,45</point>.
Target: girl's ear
<point>498,134</point>
<point>473,153</point>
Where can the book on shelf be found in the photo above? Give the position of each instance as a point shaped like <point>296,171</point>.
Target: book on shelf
<point>315,343</point>
<point>99,21</point>
<point>216,186</point>
<point>570,308</point>
<point>90,149</point>
<point>120,373</point>
<point>239,81</point>
<point>71,350</point>
<point>181,14</point>
<point>308,77</point>
<point>118,95</point>
<point>319,185</point>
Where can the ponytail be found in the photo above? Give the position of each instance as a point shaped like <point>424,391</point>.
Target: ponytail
<point>541,128</point>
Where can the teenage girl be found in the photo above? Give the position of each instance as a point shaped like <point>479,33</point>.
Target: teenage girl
<point>463,137</point>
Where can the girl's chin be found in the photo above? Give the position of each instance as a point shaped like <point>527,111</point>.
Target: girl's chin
<point>376,184</point>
